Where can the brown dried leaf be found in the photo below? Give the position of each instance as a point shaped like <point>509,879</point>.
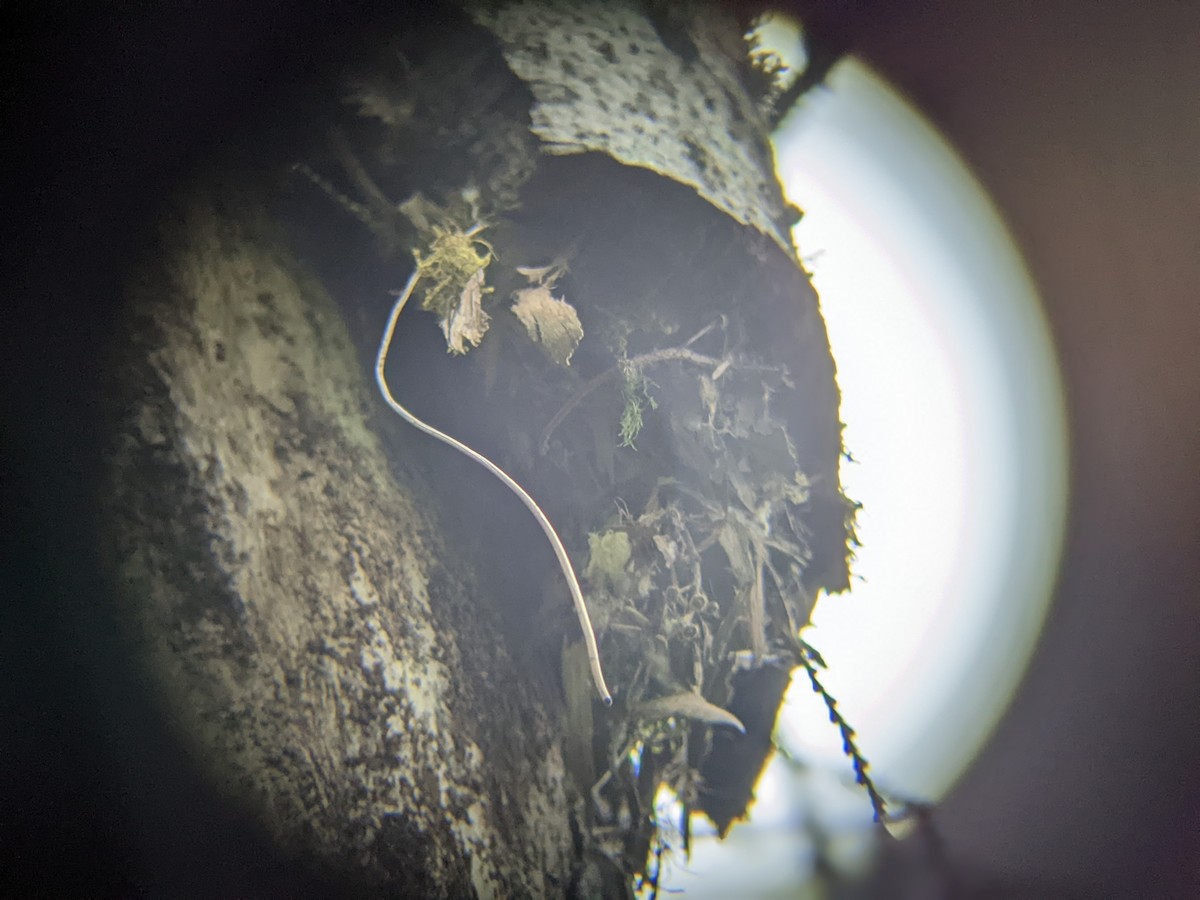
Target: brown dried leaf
<point>690,705</point>
<point>551,322</point>
<point>467,322</point>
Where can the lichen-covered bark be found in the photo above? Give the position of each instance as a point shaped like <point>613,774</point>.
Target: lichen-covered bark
<point>298,608</point>
<point>650,86</point>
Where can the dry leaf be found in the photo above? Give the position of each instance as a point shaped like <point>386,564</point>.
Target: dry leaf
<point>690,705</point>
<point>667,547</point>
<point>467,322</point>
<point>552,323</point>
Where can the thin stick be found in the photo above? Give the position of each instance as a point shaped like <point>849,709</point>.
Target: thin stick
<point>585,621</point>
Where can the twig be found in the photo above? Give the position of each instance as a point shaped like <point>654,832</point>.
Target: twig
<point>361,212</point>
<point>758,608</point>
<point>358,173</point>
<point>809,660</point>
<point>585,621</point>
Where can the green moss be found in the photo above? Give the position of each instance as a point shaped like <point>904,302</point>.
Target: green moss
<point>609,553</point>
<point>446,267</point>
<point>635,391</point>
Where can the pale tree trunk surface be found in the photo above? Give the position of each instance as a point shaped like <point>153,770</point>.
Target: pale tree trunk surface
<point>298,604</point>
<point>360,638</point>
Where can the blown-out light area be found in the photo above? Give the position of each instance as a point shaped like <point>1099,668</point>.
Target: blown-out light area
<point>954,418</point>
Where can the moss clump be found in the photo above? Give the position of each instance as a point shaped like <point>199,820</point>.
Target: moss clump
<point>609,553</point>
<point>452,272</point>
<point>447,267</point>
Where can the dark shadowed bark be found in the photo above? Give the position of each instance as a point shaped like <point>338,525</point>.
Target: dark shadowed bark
<point>362,635</point>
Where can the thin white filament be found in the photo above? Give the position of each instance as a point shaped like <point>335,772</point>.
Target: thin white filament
<point>585,621</point>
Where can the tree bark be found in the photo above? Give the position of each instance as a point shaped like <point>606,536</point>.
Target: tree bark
<point>312,633</point>
<point>360,636</point>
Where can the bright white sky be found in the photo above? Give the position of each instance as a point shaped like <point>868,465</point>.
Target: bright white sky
<point>953,411</point>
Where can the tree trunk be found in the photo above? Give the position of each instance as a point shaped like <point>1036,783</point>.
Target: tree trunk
<point>362,635</point>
